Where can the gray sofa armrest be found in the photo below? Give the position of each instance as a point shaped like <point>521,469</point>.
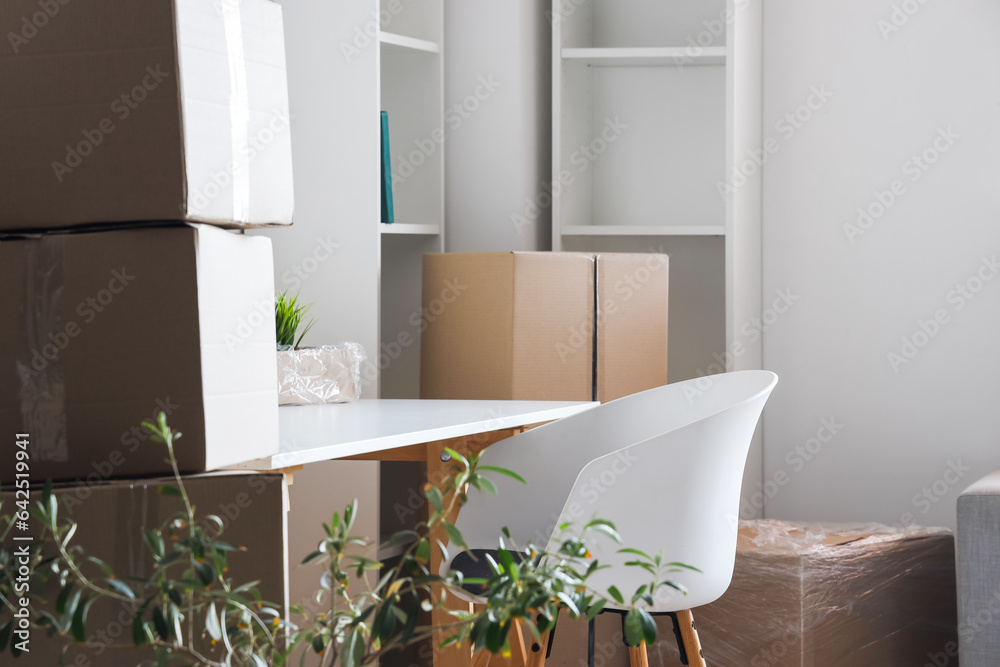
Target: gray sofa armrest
<point>978,544</point>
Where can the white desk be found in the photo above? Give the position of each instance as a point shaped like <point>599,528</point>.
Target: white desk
<point>373,428</point>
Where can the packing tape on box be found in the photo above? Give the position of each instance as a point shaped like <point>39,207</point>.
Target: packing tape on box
<point>42,390</point>
<point>239,109</point>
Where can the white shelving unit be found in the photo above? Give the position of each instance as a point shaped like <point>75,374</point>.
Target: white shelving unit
<point>411,91</point>
<point>648,119</point>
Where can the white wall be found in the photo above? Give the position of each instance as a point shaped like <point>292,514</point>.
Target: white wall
<point>899,427</point>
<point>498,146</point>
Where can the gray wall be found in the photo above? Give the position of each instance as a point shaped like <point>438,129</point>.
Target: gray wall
<point>880,340</point>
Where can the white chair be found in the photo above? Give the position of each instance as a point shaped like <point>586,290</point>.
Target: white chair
<point>664,465</point>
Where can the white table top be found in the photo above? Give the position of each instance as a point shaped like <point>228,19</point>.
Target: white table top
<point>312,433</point>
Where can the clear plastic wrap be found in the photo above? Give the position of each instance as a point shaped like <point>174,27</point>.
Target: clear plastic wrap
<point>315,375</point>
<point>832,595</point>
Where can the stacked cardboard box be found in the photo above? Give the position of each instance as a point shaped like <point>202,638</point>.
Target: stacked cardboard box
<point>543,326</point>
<point>124,124</point>
<point>134,134</point>
<point>111,516</point>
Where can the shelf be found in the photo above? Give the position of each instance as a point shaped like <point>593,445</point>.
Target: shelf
<point>644,230</point>
<point>627,57</point>
<point>404,228</point>
<point>403,44</point>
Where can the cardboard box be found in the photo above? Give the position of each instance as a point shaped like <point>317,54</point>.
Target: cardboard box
<point>111,516</point>
<point>632,296</point>
<point>522,326</point>
<point>508,325</point>
<point>828,596</point>
<point>121,111</point>
<point>109,328</point>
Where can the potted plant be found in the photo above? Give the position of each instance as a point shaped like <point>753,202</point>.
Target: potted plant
<point>325,374</point>
<point>189,611</point>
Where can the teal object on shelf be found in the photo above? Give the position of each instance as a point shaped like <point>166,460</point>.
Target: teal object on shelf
<point>386,176</point>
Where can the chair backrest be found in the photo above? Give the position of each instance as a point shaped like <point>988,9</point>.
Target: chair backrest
<point>665,465</point>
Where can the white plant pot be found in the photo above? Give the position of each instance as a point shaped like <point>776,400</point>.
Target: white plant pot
<point>315,375</point>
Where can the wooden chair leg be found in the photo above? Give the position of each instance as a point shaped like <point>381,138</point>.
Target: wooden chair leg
<point>637,656</point>
<point>481,658</point>
<point>689,634</point>
<point>536,651</point>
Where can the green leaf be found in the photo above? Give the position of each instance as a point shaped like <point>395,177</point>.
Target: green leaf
<point>160,623</point>
<point>79,625</point>
<point>5,633</point>
<point>423,551</point>
<point>605,527</point>
<point>569,602</point>
<point>154,541</point>
<point>639,627</point>
<point>636,552</point>
<point>484,484</point>
<point>616,594</point>
<point>595,609</point>
<point>434,496</point>
<point>503,471</point>
<point>205,572</point>
<point>411,621</point>
<point>350,514</point>
<point>169,490</point>
<point>454,535</point>
<point>684,565</point>
<point>311,557</point>
<point>120,587</point>
<point>212,623</point>
<point>64,596</point>
<point>354,648</point>
<point>385,621</point>
<point>139,634</point>
<point>456,455</point>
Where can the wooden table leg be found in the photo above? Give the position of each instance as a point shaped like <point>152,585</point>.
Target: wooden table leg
<point>438,469</point>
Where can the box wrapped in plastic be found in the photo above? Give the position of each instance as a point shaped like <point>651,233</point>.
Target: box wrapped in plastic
<point>316,375</point>
<point>810,595</point>
<point>833,595</point>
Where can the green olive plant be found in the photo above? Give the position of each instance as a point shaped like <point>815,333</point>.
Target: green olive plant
<point>189,611</point>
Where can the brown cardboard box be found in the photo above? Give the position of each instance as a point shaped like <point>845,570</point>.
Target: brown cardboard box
<point>111,517</point>
<point>109,328</point>
<point>508,325</point>
<point>632,290</point>
<point>521,325</point>
<point>120,111</point>
<point>816,596</point>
